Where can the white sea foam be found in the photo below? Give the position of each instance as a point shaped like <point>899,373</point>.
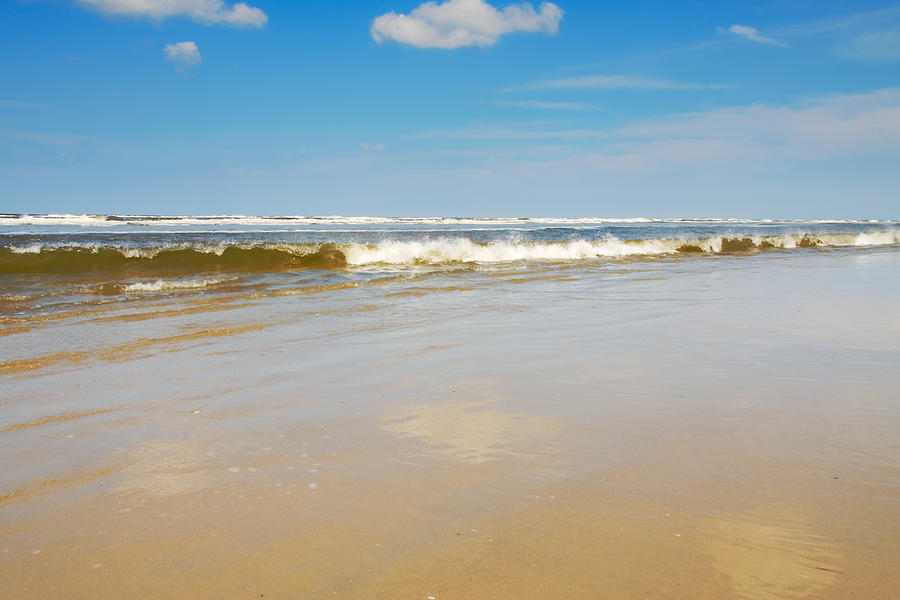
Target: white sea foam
<point>184,220</point>
<point>463,250</point>
<point>70,220</point>
<point>424,248</point>
<point>173,284</point>
<point>879,238</point>
<point>30,249</point>
<point>74,220</point>
<point>451,250</point>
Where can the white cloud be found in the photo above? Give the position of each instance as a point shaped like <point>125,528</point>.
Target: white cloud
<point>751,33</point>
<point>512,133</point>
<point>203,11</point>
<point>849,125</point>
<point>183,55</point>
<point>867,123</point>
<point>457,23</point>
<point>831,154</point>
<point>373,147</point>
<point>865,21</point>
<point>616,82</point>
<point>872,36</point>
<point>878,46</point>
<point>547,105</point>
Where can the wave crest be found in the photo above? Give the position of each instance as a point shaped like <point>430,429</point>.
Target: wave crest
<point>136,262</point>
<point>152,261</point>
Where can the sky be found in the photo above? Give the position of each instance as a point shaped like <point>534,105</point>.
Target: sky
<point>572,108</point>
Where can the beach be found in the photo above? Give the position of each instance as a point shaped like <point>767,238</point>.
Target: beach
<point>420,410</point>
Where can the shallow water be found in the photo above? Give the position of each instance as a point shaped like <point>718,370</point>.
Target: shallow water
<point>724,423</point>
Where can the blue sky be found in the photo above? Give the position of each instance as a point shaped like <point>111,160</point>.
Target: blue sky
<point>785,109</point>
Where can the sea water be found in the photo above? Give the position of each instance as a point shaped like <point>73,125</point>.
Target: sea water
<point>159,375</point>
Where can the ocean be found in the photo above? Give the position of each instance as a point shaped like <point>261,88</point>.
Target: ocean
<point>127,252</point>
<point>233,406</point>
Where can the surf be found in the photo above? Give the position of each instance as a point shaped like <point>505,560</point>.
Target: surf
<point>222,257</point>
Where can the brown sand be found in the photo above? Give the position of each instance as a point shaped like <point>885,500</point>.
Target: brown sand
<point>452,512</point>
<point>617,442</point>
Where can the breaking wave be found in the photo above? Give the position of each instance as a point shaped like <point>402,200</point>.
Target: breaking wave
<point>179,260</point>
<point>463,250</point>
<point>151,262</point>
<point>87,221</point>
<point>243,220</point>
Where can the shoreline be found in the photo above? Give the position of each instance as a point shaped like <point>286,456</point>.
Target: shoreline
<point>711,429</point>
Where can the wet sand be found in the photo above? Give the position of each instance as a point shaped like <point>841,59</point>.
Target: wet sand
<point>715,428</point>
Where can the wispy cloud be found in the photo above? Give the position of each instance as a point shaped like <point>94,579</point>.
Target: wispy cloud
<point>207,12</point>
<point>852,22</point>
<point>184,55</point>
<point>373,147</point>
<point>633,82</point>
<point>867,36</point>
<point>751,33</point>
<point>458,23</point>
<point>512,133</point>
<point>538,104</point>
<point>830,126</point>
<point>870,35</point>
<point>881,46</point>
<point>758,156</point>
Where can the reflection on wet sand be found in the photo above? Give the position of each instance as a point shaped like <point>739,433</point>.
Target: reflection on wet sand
<point>773,554</point>
<point>30,364</point>
<point>54,419</point>
<point>353,446</point>
<point>123,351</point>
<point>163,468</point>
<point>46,486</point>
<point>472,432</point>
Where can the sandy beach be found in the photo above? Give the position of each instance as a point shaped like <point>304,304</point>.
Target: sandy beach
<point>716,427</point>
<point>449,300</point>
